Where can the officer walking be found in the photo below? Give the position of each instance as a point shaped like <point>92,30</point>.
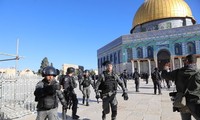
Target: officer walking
<point>68,85</point>
<point>136,76</point>
<point>156,77</point>
<point>185,87</point>
<point>107,83</point>
<point>47,93</point>
<point>124,77</point>
<point>86,82</point>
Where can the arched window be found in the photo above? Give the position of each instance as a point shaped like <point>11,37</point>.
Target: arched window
<point>111,57</point>
<point>178,49</point>
<point>191,48</point>
<point>139,52</point>
<point>107,57</point>
<point>115,58</point>
<point>129,54</point>
<point>150,52</point>
<point>119,55</point>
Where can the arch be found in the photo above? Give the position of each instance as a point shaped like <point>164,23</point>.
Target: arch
<point>191,48</point>
<point>178,49</point>
<point>139,52</point>
<point>163,57</point>
<point>111,57</point>
<point>150,52</point>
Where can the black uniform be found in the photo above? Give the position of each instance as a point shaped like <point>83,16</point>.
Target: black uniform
<point>182,79</point>
<point>124,77</point>
<point>69,84</point>
<point>136,77</point>
<point>156,77</point>
<point>108,84</point>
<point>47,94</point>
<point>85,83</point>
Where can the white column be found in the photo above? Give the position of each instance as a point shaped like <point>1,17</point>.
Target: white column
<point>149,62</point>
<point>132,66</point>
<point>180,62</point>
<point>138,62</point>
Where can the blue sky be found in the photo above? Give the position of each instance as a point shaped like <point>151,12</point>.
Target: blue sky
<point>65,31</point>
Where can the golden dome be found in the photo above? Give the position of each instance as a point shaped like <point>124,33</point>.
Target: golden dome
<point>159,9</point>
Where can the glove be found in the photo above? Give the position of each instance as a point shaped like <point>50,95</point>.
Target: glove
<point>125,95</point>
<point>97,95</point>
<point>184,109</point>
<point>50,90</point>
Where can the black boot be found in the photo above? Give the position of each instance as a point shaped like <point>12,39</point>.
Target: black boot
<point>113,118</point>
<point>83,100</point>
<point>75,116</point>
<point>104,116</point>
<point>87,102</point>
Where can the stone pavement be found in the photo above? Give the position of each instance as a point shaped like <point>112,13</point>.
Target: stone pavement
<point>143,105</point>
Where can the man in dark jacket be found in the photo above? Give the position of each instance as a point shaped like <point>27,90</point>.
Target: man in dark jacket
<point>183,84</point>
<point>136,76</point>
<point>69,84</point>
<point>46,93</point>
<point>124,77</point>
<point>108,82</point>
<point>156,77</point>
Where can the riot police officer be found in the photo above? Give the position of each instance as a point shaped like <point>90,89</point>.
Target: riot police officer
<point>68,85</point>
<point>46,93</point>
<point>124,77</point>
<point>85,83</point>
<point>183,85</point>
<point>136,76</point>
<point>107,83</point>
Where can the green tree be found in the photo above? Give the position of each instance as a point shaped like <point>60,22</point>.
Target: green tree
<point>44,64</point>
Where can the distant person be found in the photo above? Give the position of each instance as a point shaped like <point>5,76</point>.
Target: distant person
<point>86,82</point>
<point>146,77</point>
<point>156,77</point>
<point>47,93</point>
<point>136,76</point>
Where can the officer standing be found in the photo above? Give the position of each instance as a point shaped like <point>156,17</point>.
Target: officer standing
<point>156,77</point>
<point>136,76</point>
<point>124,77</point>
<point>46,93</point>
<point>182,81</point>
<point>68,85</point>
<point>108,82</point>
<point>86,82</point>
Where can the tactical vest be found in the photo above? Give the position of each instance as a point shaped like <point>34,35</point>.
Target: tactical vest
<point>86,82</point>
<point>47,102</point>
<point>109,84</point>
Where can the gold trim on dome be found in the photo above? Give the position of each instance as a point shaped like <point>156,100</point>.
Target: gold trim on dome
<point>159,9</point>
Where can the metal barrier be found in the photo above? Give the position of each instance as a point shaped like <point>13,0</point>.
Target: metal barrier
<point>16,96</point>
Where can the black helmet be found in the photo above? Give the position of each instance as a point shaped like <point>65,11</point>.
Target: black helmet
<point>86,71</point>
<point>49,70</point>
<point>70,70</point>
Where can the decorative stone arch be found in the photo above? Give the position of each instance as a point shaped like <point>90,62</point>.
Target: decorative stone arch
<point>163,57</point>
<point>191,48</point>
